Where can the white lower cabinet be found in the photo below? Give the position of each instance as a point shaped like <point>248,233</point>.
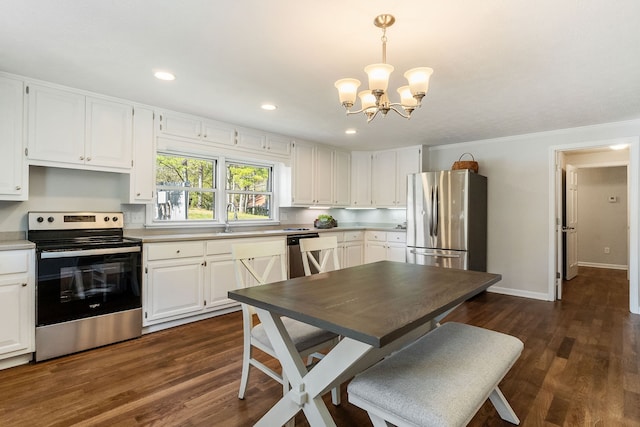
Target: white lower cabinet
<point>350,248</point>
<point>174,281</point>
<point>185,279</point>
<point>17,306</point>
<point>385,246</point>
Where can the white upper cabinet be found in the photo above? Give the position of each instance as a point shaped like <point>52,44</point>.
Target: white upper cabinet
<point>389,175</point>
<point>361,179</point>
<point>13,170</point>
<point>312,175</point>
<point>185,126</point>
<point>142,178</point>
<point>73,130</point>
<point>108,140</point>
<point>341,178</point>
<point>56,125</point>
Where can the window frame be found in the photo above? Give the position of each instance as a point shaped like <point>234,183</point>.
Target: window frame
<point>220,193</point>
<point>270,193</point>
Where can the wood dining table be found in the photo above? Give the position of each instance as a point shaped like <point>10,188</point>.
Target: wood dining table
<point>376,308</point>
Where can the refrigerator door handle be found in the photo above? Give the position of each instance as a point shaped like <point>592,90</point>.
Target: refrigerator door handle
<point>434,254</point>
<point>437,210</point>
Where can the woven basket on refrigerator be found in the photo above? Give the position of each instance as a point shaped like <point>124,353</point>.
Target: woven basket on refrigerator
<point>472,165</point>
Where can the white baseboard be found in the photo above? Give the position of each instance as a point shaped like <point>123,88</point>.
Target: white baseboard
<point>518,293</point>
<point>601,265</point>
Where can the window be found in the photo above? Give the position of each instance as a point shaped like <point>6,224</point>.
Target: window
<point>249,192</point>
<point>186,188</point>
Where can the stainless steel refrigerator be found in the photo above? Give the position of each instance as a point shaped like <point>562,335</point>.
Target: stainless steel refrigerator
<point>447,219</point>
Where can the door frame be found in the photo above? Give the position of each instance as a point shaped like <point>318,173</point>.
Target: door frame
<point>633,185</point>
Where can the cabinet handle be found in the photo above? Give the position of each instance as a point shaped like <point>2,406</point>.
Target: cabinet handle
<point>178,251</point>
<point>205,136</point>
<point>88,159</point>
<point>137,194</point>
<point>24,285</point>
<point>18,187</point>
<point>81,157</point>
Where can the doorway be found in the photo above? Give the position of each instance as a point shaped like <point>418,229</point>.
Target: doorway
<point>591,154</point>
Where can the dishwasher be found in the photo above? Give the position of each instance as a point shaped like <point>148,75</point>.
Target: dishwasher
<point>296,269</point>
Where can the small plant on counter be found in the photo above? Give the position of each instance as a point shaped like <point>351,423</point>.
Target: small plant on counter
<point>325,221</point>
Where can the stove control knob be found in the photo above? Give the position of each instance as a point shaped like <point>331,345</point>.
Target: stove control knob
<point>106,219</point>
<point>40,219</point>
<point>50,219</point>
<point>114,219</point>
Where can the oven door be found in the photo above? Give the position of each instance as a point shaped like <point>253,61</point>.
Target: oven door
<point>84,283</point>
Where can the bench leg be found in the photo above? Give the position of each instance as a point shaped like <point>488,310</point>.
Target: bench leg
<point>502,406</point>
<point>377,421</point>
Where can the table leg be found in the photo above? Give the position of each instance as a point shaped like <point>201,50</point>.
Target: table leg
<point>306,387</point>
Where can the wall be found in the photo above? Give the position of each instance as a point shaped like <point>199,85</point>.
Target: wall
<point>56,189</point>
<point>602,223</point>
<point>518,195</point>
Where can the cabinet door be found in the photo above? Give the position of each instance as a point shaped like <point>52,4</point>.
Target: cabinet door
<point>178,125</point>
<point>361,179</point>
<point>383,174</point>
<point>142,179</point>
<point>108,134</point>
<point>375,251</point>
<point>251,140</point>
<point>342,178</point>
<point>407,162</point>
<point>220,279</point>
<point>17,319</point>
<point>353,254</point>
<point>13,170</point>
<point>323,176</point>
<point>16,316</point>
<point>396,252</point>
<point>56,128</point>
<point>302,174</point>
<point>279,146</point>
<point>218,133</point>
<point>174,289</point>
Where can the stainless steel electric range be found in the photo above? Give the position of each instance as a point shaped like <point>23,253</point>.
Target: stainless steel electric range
<point>88,286</point>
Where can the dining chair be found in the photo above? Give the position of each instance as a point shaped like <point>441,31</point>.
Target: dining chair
<point>254,265</point>
<point>326,249</point>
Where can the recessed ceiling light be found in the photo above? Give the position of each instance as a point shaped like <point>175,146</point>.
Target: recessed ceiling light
<point>619,146</point>
<point>164,75</point>
<point>350,131</point>
<point>268,107</point>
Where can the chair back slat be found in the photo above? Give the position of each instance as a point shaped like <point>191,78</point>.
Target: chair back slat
<point>328,247</point>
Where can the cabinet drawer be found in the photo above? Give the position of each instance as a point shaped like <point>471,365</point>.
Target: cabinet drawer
<point>350,236</point>
<point>217,247</point>
<point>397,237</point>
<point>14,262</point>
<point>338,236</point>
<point>174,250</point>
<point>380,236</point>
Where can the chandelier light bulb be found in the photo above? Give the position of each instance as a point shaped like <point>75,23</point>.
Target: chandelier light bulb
<point>378,76</point>
<point>418,79</point>
<point>376,99</point>
<point>347,90</point>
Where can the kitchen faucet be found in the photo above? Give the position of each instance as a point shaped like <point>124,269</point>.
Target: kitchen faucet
<point>232,207</point>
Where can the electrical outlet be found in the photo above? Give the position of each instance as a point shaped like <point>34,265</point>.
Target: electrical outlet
<point>606,249</point>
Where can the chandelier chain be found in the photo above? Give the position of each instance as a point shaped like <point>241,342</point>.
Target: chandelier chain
<point>384,45</point>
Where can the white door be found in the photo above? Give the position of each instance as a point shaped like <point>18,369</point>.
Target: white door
<point>571,225</point>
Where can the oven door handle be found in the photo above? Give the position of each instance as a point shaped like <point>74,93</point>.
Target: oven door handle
<point>88,252</point>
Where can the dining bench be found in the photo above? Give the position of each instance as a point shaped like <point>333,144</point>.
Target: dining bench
<point>442,379</point>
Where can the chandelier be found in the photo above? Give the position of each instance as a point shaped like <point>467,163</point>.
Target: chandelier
<point>376,100</point>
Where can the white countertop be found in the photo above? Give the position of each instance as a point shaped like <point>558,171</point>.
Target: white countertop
<point>10,245</point>
<point>157,235</point>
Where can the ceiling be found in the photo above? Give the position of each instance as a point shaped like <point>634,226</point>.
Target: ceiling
<point>502,67</point>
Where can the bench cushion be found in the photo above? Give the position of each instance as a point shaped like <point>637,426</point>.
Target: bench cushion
<point>442,379</point>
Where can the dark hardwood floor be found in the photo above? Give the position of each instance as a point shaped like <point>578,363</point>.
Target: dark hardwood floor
<point>580,367</point>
